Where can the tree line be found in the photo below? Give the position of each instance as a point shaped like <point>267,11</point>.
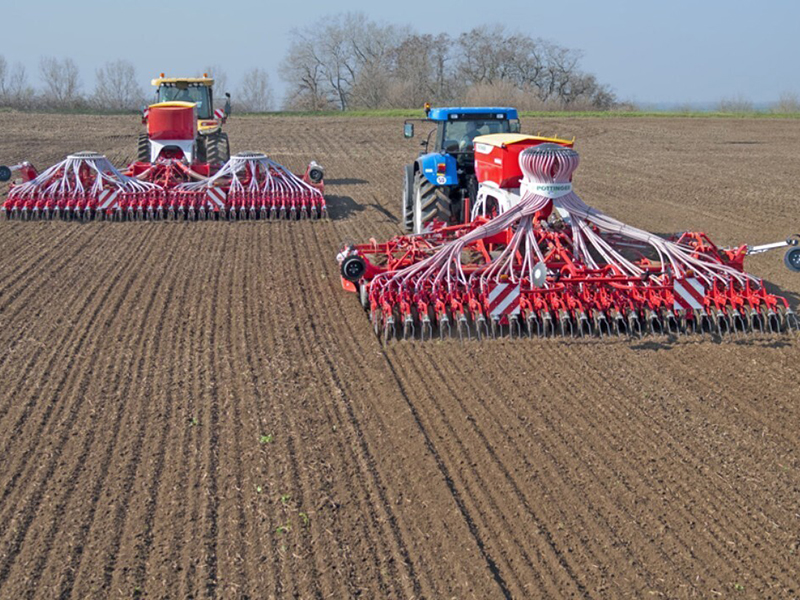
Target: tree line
<point>349,61</point>
<point>117,87</point>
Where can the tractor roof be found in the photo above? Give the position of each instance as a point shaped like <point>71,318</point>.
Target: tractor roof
<point>185,80</point>
<point>497,112</point>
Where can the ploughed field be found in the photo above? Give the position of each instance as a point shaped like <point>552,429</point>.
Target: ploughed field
<point>199,410</point>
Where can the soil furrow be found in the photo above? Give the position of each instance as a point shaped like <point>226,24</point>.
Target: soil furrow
<point>549,559</point>
<point>542,439</point>
<point>303,313</point>
<point>142,344</point>
<point>21,381</point>
<point>82,382</point>
<point>53,408</point>
<point>481,410</point>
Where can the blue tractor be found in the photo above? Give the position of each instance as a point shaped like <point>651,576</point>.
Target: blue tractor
<point>441,182</point>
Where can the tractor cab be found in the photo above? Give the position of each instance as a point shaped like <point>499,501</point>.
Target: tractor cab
<point>441,182</point>
<point>183,91</point>
<point>210,143</point>
<point>457,127</point>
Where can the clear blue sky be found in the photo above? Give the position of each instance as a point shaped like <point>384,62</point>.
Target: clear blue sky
<point>650,52</point>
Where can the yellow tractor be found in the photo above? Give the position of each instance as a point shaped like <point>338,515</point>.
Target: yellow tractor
<point>211,143</point>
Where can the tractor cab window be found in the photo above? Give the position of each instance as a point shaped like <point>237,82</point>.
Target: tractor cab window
<point>458,135</point>
<point>194,93</point>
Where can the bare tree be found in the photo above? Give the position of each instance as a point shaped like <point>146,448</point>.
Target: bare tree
<point>303,71</point>
<point>19,93</point>
<point>3,77</point>
<point>220,77</point>
<point>255,93</point>
<point>422,68</point>
<point>489,56</point>
<point>735,104</point>
<point>338,62</point>
<point>373,48</point>
<point>345,59</point>
<point>788,103</point>
<point>14,88</point>
<point>60,77</point>
<point>116,87</point>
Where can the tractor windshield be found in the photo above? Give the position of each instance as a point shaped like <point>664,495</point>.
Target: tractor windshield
<point>199,94</point>
<point>458,135</point>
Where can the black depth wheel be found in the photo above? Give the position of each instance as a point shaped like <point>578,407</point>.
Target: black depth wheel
<point>792,259</point>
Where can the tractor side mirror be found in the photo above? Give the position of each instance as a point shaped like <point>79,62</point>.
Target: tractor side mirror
<point>228,104</point>
<point>408,130</point>
<point>514,126</point>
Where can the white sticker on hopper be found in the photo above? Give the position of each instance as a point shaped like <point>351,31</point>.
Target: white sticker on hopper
<point>551,190</point>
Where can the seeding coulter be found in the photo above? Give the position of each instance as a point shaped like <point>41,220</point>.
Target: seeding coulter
<point>180,174</point>
<point>535,260</point>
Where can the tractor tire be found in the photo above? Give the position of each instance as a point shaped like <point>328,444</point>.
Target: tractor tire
<point>202,151</point>
<point>430,202</point>
<point>407,210</point>
<point>225,147</point>
<point>218,149</point>
<point>143,149</point>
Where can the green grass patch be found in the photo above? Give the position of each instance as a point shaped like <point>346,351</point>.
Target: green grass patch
<point>389,112</point>
<point>610,114</point>
<point>659,114</point>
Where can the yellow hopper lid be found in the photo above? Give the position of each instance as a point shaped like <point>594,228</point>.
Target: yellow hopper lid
<point>502,140</point>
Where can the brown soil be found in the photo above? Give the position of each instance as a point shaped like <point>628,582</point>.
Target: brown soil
<point>199,410</point>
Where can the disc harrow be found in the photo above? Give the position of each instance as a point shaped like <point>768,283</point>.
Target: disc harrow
<point>553,266</point>
<point>86,186</point>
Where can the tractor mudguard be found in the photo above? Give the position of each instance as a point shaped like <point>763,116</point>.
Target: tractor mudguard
<point>429,166</point>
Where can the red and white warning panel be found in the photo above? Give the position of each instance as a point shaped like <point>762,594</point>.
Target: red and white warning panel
<point>504,300</point>
<point>217,196</point>
<point>106,197</point>
<point>690,294</point>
